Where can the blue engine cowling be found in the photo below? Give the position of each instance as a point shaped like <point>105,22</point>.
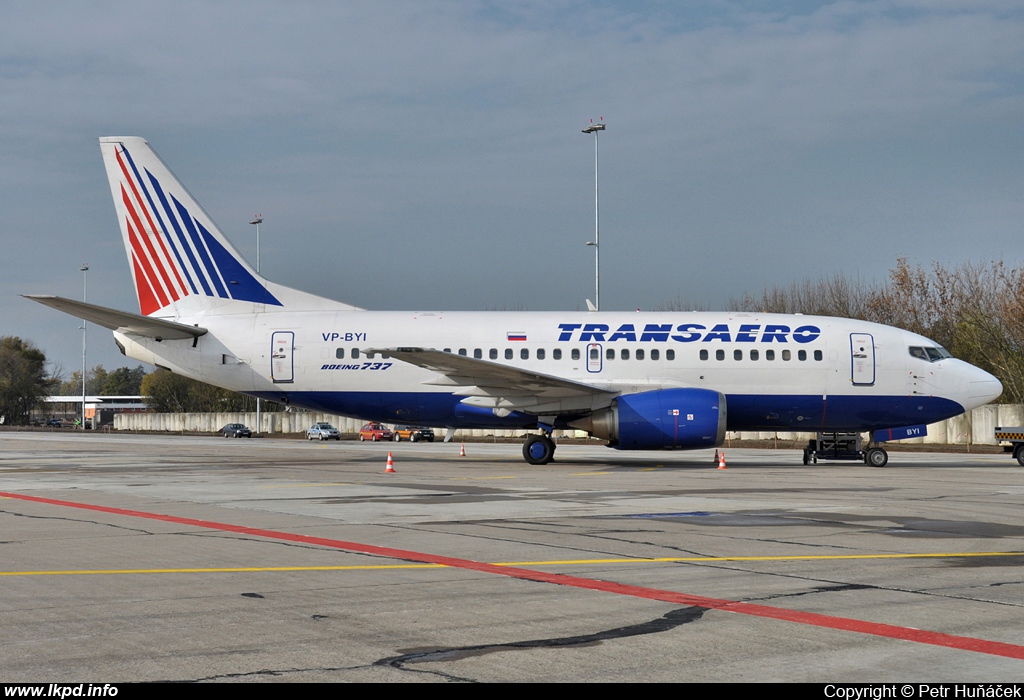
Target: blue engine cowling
<point>663,419</point>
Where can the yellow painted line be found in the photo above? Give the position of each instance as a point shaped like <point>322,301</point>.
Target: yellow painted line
<point>550,562</point>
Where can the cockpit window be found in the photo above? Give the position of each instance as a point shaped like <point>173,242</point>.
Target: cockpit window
<point>929,353</point>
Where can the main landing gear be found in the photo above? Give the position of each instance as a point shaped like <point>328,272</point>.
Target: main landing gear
<point>539,449</point>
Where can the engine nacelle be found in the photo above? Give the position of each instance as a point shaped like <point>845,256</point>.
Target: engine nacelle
<point>682,419</point>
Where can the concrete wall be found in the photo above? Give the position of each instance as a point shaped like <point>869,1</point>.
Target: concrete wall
<point>976,428</point>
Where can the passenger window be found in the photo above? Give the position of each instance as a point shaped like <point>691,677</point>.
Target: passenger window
<point>478,354</point>
<point>786,356</point>
<point>575,354</point>
<point>639,354</point>
<point>462,351</point>
<point>556,354</point>
<point>493,354</point>
<point>769,355</point>
<point>801,355</point>
<point>540,353</point>
<point>719,354</point>
<point>340,353</point>
<point>448,350</point>
<point>355,353</point>
<point>737,354</point>
<point>655,354</point>
<point>524,354</point>
<point>594,354</point>
<point>670,355</point>
<point>624,354</point>
<point>508,353</point>
<point>754,354</point>
<point>818,356</point>
<point>609,354</point>
<point>703,353</point>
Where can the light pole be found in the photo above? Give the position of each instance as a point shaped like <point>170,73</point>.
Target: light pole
<point>594,129</point>
<point>85,298</point>
<point>256,221</point>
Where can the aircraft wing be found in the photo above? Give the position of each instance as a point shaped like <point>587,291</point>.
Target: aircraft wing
<point>121,321</point>
<point>489,384</point>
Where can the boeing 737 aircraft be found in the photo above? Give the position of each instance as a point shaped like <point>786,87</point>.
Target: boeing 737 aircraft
<point>639,380</point>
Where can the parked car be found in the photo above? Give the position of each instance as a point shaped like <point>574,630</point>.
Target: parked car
<point>236,430</point>
<point>323,431</point>
<point>412,433</point>
<point>55,423</point>
<point>375,432</point>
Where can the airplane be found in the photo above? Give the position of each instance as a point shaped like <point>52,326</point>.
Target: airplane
<point>641,381</point>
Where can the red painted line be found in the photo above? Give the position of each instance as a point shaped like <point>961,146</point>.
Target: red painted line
<point>910,634</point>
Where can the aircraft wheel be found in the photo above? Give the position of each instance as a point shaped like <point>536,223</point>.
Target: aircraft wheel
<point>1018,454</point>
<point>538,449</point>
<point>876,457</point>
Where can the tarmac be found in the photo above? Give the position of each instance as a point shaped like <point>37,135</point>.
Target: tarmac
<point>176,558</point>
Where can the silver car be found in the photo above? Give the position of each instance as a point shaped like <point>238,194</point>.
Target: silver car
<point>324,431</point>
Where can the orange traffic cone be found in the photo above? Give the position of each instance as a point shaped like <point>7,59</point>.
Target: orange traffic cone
<point>715,460</point>
<point>721,460</point>
<point>462,450</point>
<point>390,469</point>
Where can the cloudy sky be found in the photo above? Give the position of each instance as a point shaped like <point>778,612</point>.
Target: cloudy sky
<point>429,155</point>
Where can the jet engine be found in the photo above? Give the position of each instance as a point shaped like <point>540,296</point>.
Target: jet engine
<point>662,419</point>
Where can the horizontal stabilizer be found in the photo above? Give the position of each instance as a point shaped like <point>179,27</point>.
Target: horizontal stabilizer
<point>121,321</point>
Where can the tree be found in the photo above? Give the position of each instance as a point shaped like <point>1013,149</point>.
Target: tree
<point>23,379</point>
<point>123,382</point>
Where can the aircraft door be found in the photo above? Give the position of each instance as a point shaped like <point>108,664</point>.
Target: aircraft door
<point>282,357</point>
<point>594,359</point>
<point>862,359</point>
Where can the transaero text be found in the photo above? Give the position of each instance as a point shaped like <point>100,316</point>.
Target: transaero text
<point>687,333</point>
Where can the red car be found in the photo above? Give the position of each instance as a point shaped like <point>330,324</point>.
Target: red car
<point>375,432</point>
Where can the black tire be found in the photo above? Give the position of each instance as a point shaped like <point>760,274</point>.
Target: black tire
<point>1018,453</point>
<point>876,457</point>
<point>538,449</point>
<point>413,438</point>
<point>807,457</point>
<point>396,437</point>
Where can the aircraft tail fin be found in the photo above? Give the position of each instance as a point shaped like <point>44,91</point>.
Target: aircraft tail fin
<point>174,248</point>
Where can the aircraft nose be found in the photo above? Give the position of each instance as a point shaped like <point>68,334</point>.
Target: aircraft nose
<point>982,387</point>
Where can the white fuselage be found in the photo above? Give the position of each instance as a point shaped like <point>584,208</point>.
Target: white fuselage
<point>777,371</point>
